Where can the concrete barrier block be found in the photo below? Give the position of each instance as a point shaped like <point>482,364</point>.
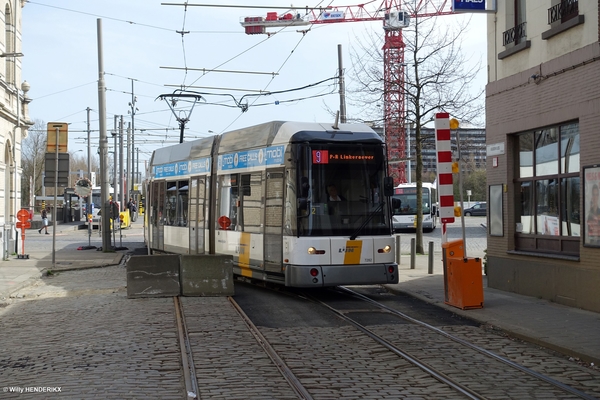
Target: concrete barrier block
<point>206,275</point>
<point>153,276</point>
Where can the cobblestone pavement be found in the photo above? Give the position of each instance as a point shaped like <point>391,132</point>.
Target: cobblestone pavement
<point>90,344</point>
<point>344,363</point>
<point>228,360</point>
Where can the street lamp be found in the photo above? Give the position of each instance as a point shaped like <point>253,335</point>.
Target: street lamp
<point>3,55</point>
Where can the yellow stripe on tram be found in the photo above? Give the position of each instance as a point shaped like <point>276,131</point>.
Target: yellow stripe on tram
<point>244,254</point>
<point>353,250</point>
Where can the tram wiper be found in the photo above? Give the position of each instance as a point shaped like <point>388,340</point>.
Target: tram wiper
<point>369,218</point>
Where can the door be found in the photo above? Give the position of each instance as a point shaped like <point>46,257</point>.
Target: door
<point>273,243</point>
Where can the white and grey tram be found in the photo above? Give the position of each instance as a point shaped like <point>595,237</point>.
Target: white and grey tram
<point>259,194</point>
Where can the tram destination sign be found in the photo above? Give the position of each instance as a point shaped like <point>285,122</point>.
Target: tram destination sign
<point>335,156</point>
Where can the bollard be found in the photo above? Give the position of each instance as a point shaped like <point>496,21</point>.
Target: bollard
<point>398,249</point>
<point>413,253</point>
<point>430,268</point>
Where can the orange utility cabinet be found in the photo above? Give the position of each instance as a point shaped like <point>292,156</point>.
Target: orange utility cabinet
<point>463,279</point>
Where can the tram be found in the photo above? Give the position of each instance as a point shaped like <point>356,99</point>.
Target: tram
<point>260,194</point>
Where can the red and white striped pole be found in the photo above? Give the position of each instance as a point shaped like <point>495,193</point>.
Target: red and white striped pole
<point>444,170</point>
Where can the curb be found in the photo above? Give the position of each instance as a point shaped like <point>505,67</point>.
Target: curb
<point>116,261</point>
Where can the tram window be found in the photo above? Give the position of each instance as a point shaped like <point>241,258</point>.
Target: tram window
<point>250,214</point>
<point>170,203</point>
<point>227,198</point>
<point>182,203</point>
<point>246,191</point>
<point>158,203</point>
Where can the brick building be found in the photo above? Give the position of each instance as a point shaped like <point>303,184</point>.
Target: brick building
<point>543,141</point>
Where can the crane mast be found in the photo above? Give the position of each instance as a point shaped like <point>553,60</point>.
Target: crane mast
<point>395,17</point>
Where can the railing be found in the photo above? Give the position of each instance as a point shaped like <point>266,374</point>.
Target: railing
<point>514,35</point>
<point>563,11</point>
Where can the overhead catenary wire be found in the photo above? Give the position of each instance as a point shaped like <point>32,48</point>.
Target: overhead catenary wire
<point>252,98</point>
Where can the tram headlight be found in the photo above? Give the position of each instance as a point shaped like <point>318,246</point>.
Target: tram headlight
<point>385,249</point>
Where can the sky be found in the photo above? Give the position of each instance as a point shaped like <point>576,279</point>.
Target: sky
<point>147,45</point>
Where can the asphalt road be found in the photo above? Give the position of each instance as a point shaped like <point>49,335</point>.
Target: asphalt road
<point>475,236</point>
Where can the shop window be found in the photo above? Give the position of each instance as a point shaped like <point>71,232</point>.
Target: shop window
<point>548,202</point>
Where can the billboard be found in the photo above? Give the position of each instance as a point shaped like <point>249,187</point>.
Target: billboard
<point>473,5</point>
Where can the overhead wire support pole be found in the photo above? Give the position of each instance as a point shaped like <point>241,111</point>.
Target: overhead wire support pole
<point>55,193</point>
<point>115,154</point>
<point>133,110</point>
<point>88,208</point>
<point>105,215</point>
<point>122,189</point>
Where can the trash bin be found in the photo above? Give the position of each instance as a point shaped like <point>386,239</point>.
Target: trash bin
<point>463,278</point>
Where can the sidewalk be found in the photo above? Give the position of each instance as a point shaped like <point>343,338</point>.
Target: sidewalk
<point>16,273</point>
<point>570,331</point>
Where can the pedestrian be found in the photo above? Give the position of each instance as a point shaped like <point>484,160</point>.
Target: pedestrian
<point>44,221</point>
<point>132,210</point>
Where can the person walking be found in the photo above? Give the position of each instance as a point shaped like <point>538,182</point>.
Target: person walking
<point>132,210</point>
<point>44,221</point>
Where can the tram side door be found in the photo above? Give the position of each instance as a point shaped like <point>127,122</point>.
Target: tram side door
<point>197,215</point>
<point>273,243</point>
<point>157,214</point>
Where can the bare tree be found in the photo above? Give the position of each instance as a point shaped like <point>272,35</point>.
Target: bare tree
<point>437,78</point>
<point>32,161</point>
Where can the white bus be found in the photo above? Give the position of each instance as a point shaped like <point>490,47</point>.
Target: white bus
<point>96,206</point>
<point>404,217</point>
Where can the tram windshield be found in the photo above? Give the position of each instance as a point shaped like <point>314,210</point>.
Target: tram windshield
<point>340,190</point>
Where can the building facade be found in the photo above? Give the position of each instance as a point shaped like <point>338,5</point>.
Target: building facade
<point>543,142</point>
<point>472,144</point>
<point>14,121</point>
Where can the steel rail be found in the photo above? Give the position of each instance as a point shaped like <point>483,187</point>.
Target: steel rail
<point>440,376</point>
<point>187,359</point>
<point>285,371</point>
<point>472,346</point>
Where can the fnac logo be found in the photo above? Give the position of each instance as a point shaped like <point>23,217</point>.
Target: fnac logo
<point>468,5</point>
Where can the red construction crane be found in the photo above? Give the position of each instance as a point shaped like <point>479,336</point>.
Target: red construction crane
<point>394,18</point>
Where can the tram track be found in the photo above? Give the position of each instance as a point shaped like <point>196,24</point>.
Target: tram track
<point>287,373</point>
<point>306,354</point>
<point>193,391</point>
<point>437,372</point>
<point>187,358</point>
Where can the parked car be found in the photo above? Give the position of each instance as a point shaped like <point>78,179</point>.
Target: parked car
<point>477,209</point>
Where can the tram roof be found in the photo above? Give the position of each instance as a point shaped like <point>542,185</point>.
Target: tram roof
<point>183,151</point>
<point>284,132</point>
<point>264,135</point>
